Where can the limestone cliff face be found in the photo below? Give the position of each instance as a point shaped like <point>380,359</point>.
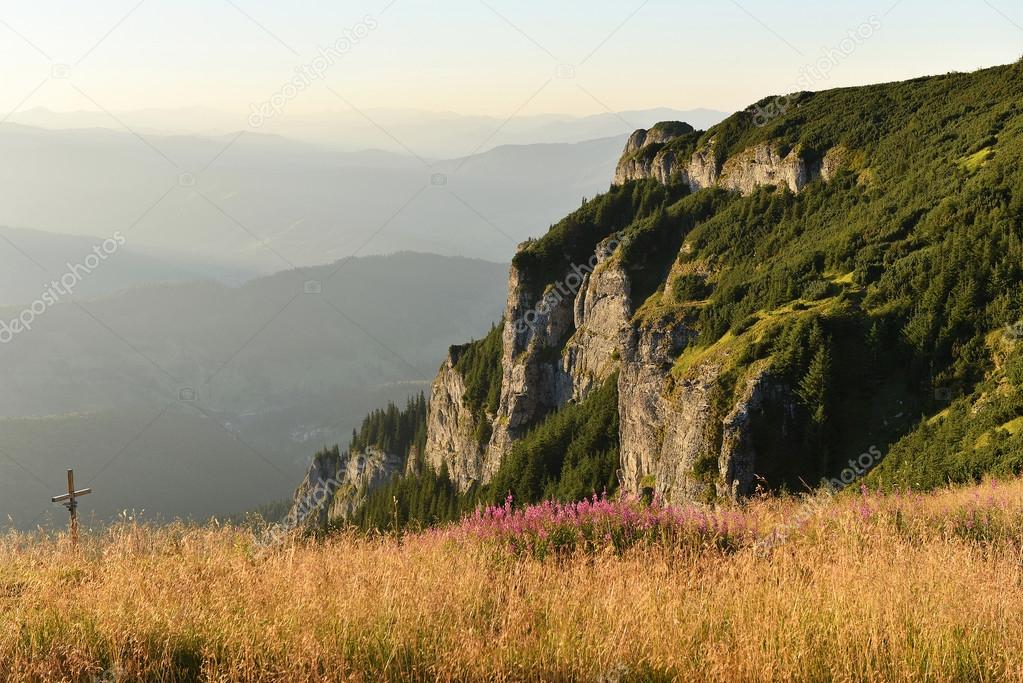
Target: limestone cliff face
<point>689,436</point>
<point>601,312</point>
<point>764,165</point>
<point>672,428</point>
<point>336,485</point>
<point>669,425</point>
<point>660,166</point>
<point>738,453</point>
<point>532,378</point>
<point>702,170</point>
<point>647,157</point>
<point>662,432</point>
<point>681,430</point>
<point>557,346</point>
<point>451,427</point>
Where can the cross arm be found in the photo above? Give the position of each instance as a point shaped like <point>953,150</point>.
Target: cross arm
<point>67,496</point>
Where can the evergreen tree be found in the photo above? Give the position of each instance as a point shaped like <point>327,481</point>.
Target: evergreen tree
<point>815,394</point>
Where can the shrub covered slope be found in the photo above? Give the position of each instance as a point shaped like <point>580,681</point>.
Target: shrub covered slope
<point>886,298</point>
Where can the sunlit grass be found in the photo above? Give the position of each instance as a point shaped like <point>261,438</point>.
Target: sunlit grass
<point>977,160</point>
<point>854,588</point>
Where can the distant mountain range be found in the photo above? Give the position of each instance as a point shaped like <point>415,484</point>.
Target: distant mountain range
<point>32,258</point>
<point>202,193</point>
<point>262,203</point>
<point>251,378</point>
<point>428,134</point>
<point>196,370</point>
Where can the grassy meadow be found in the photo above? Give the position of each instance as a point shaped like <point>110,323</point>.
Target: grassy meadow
<point>855,587</point>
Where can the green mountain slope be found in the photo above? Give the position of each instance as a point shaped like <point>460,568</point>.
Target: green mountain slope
<point>902,272</point>
<point>845,279</point>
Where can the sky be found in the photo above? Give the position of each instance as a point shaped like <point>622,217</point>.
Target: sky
<point>493,57</point>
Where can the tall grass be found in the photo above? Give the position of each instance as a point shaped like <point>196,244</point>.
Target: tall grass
<point>858,588</point>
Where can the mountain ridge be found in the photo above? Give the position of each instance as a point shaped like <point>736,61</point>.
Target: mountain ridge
<point>295,203</point>
<point>431,134</point>
<point>807,297</point>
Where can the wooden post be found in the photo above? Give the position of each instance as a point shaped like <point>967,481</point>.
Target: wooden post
<point>70,501</point>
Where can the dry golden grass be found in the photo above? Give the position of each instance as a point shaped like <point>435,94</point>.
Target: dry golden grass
<point>867,589</point>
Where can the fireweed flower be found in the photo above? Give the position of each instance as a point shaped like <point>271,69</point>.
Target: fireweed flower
<point>599,523</point>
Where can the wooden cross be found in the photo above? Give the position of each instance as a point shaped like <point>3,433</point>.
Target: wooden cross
<point>70,500</point>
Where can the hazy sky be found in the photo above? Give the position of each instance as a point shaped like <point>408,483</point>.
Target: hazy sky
<point>494,57</point>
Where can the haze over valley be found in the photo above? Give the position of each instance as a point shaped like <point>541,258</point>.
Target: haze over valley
<point>243,307</point>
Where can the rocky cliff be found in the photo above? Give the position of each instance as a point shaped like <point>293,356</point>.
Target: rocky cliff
<point>337,483</point>
<point>767,298</point>
<point>531,385</point>
<point>601,313</point>
<point>686,435</point>
<point>564,339</point>
<point>672,155</point>
<point>451,436</point>
<point>557,345</point>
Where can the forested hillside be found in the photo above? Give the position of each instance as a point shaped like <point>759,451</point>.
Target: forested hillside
<point>870,302</point>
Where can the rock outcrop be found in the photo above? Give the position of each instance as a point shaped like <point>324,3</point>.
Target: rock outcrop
<point>738,453</point>
<point>671,429</point>
<point>689,435</point>
<point>337,484</point>
<point>681,432</point>
<point>558,346</point>
<point>601,313</point>
<point>762,165</point>
<point>532,378</point>
<point>451,427</point>
<point>655,157</point>
<point>662,432</point>
<point>645,155</point>
<point>669,426</point>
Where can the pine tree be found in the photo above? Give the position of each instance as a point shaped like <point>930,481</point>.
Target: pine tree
<point>815,393</point>
<point>815,387</point>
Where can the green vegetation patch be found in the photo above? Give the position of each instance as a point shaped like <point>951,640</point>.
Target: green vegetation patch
<point>574,239</point>
<point>479,363</point>
<point>977,159</point>
<point>572,454</point>
<point>393,430</point>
